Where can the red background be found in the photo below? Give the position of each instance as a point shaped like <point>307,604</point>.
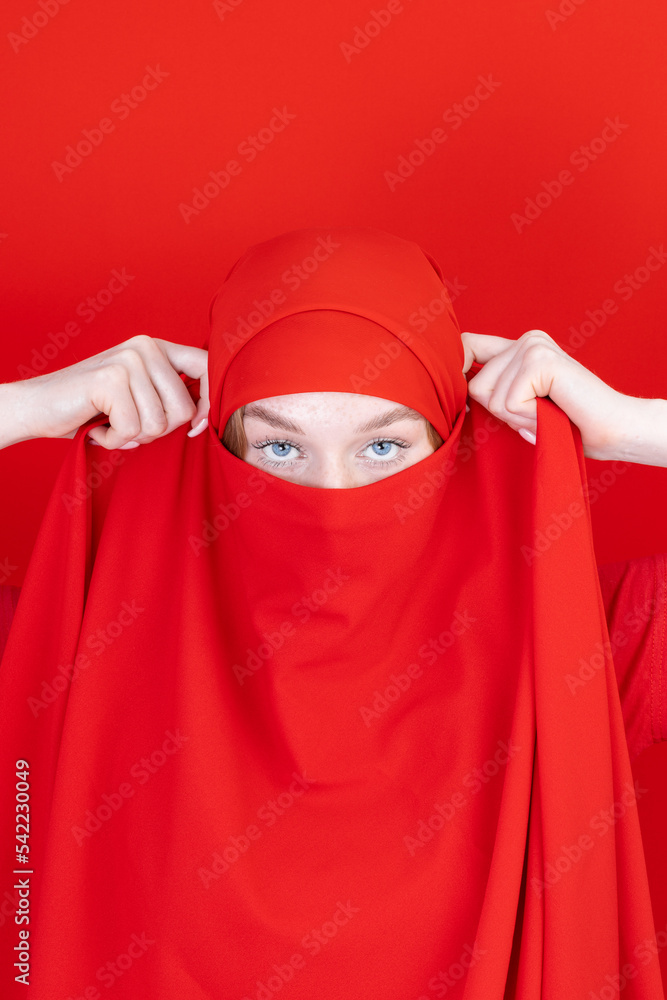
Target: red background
<point>557,78</point>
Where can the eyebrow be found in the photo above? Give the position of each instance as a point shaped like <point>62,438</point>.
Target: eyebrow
<point>390,417</point>
<point>375,423</point>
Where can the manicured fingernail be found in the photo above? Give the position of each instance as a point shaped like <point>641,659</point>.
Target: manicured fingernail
<point>130,444</point>
<point>527,435</point>
<point>198,428</point>
<point>91,441</point>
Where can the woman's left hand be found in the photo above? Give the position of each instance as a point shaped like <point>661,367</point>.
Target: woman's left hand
<point>516,372</point>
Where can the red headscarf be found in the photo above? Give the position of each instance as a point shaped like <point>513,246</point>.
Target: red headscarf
<point>361,742</point>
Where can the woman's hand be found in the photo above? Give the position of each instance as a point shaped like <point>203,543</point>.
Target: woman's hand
<point>136,384</point>
<point>516,372</point>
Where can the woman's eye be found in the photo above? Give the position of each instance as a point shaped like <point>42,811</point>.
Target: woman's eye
<point>276,452</point>
<point>384,449</point>
<point>277,449</point>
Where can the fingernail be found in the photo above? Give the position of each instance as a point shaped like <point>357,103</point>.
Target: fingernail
<point>130,444</point>
<point>527,435</point>
<point>198,428</point>
<point>92,441</point>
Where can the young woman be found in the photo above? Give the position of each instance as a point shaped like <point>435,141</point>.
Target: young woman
<point>364,737</point>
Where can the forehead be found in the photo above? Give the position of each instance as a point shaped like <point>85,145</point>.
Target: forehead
<point>300,412</point>
<point>325,402</point>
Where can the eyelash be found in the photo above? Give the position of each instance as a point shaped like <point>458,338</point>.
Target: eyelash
<point>380,440</point>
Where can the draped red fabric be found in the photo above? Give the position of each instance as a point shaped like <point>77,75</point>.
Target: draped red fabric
<point>323,742</point>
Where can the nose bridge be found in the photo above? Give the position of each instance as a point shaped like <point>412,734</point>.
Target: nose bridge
<point>334,471</point>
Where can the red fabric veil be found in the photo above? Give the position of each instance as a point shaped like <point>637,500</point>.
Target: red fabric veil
<point>361,742</point>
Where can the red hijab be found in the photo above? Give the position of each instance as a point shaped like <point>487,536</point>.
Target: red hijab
<point>357,742</point>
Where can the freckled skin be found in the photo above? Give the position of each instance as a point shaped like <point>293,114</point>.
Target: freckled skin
<point>331,455</point>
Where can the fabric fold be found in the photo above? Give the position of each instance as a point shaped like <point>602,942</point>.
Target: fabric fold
<point>319,740</point>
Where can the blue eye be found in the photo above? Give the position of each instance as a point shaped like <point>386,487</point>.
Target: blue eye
<point>279,450</point>
<point>382,448</point>
<point>385,452</point>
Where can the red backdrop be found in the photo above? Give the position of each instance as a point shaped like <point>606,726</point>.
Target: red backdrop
<point>522,144</point>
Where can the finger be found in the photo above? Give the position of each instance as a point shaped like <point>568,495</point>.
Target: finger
<point>141,393</point>
<point>111,394</point>
<point>92,436</point>
<point>159,406</point>
<point>510,400</point>
<point>468,356</point>
<point>200,420</point>
<point>503,387</point>
<point>191,361</point>
<point>163,401</point>
<point>164,361</point>
<point>504,363</point>
<point>98,436</point>
<point>481,347</point>
<point>539,364</point>
<point>513,395</point>
<point>513,385</point>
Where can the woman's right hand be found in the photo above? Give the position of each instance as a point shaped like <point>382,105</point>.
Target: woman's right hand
<point>136,384</point>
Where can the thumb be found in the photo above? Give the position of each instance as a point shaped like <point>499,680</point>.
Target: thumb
<point>468,354</point>
<point>193,362</point>
<point>198,422</point>
<point>481,347</point>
